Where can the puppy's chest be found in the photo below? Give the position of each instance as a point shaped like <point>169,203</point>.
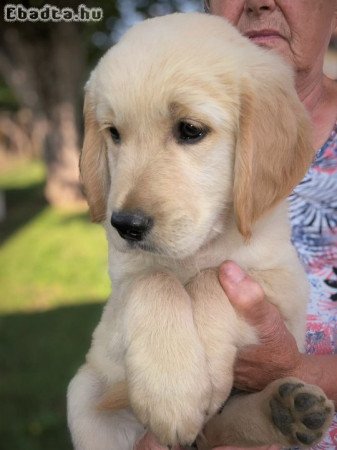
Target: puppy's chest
<point>209,257</point>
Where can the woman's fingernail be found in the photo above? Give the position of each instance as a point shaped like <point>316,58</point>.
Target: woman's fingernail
<point>232,272</point>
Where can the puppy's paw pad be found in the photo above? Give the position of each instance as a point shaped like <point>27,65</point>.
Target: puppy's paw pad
<point>307,439</point>
<point>315,420</point>
<point>305,401</point>
<point>287,388</point>
<point>281,416</point>
<point>301,412</point>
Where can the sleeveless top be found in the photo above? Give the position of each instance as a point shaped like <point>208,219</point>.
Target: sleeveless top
<point>313,217</point>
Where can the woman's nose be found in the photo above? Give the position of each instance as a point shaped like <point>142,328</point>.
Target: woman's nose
<point>259,7</point>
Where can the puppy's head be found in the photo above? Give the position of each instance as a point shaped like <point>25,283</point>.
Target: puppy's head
<point>187,123</point>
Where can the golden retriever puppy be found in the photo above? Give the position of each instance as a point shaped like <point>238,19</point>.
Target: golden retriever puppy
<point>193,139</point>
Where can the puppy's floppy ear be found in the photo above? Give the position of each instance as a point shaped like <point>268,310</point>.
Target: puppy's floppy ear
<point>93,164</point>
<point>273,150</point>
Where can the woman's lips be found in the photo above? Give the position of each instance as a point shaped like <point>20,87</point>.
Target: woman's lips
<point>263,36</point>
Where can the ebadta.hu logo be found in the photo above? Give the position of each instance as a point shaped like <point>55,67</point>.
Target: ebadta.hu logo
<point>51,13</point>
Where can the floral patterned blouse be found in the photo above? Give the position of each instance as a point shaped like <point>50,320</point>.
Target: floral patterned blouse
<point>313,215</point>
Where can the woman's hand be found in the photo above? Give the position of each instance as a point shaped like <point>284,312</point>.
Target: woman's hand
<point>277,345</point>
<point>265,447</point>
<point>276,355</point>
<point>149,442</point>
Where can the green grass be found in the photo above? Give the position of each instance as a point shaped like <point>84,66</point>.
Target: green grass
<point>39,353</point>
<point>54,259</point>
<point>53,278</point>
<point>48,258</point>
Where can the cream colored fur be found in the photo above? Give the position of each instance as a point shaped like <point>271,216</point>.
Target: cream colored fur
<point>168,329</point>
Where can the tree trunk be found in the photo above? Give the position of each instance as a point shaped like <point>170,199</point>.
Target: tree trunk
<point>62,148</point>
<point>44,64</point>
<point>62,156</point>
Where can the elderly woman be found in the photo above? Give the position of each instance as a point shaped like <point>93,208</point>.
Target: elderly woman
<point>300,31</point>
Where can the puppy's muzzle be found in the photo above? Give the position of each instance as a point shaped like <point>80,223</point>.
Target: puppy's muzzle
<point>131,225</point>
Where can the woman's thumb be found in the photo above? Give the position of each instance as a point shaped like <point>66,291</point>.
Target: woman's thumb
<point>245,294</point>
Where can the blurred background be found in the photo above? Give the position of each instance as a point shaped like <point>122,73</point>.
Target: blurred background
<point>53,261</point>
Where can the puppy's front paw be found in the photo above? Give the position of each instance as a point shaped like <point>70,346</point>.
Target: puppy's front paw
<point>301,412</point>
<point>175,411</point>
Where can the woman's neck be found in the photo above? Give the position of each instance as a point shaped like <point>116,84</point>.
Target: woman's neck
<point>319,96</point>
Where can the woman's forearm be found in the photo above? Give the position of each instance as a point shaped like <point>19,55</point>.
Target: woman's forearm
<point>320,370</point>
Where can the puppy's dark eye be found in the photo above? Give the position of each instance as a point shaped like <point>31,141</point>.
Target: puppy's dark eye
<point>115,135</point>
<point>189,133</point>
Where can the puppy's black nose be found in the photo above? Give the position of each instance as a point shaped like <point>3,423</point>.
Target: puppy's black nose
<point>131,225</point>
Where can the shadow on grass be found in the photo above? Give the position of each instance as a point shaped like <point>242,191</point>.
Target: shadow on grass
<point>39,353</point>
<point>22,205</point>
